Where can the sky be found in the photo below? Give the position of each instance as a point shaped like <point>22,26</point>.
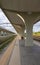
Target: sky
<point>36,27</point>
<point>5,23</point>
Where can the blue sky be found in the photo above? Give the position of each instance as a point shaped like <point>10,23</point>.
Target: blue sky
<point>8,26</point>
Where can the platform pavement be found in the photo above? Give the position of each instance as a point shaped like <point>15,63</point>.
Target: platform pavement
<point>22,55</point>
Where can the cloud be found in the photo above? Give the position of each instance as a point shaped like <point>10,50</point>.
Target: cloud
<point>4,21</point>
<point>36,27</point>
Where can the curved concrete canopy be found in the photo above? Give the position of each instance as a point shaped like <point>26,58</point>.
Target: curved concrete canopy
<point>34,16</point>
<point>19,30</point>
<point>16,21</point>
<point>31,7</point>
<point>14,18</point>
<point>21,5</point>
<point>28,9</point>
<point>28,6</point>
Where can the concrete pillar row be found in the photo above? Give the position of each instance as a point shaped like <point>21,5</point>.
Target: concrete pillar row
<point>29,28</point>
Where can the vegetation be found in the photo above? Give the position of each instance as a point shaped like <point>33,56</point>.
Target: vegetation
<point>36,36</point>
<point>36,33</point>
<point>6,42</point>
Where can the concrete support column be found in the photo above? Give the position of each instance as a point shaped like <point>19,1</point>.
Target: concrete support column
<point>29,39</point>
<point>28,26</point>
<point>29,19</point>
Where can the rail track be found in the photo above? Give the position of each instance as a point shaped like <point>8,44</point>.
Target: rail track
<point>37,38</point>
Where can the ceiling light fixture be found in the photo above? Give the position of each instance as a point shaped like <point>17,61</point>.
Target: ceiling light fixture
<point>21,18</point>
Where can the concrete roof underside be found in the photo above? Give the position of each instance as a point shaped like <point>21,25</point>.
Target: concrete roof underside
<point>12,7</point>
<point>21,5</point>
<point>15,20</point>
